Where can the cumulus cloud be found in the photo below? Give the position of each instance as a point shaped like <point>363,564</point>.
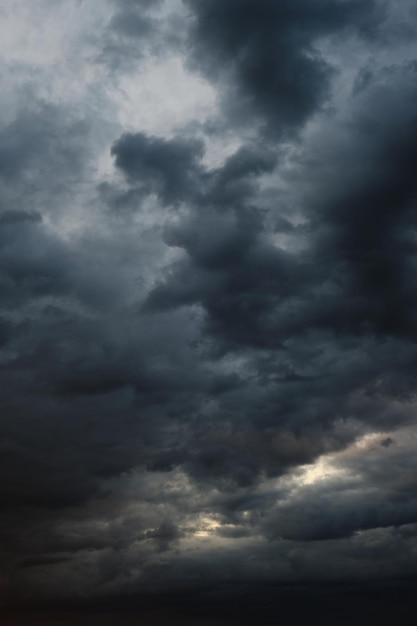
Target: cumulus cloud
<point>267,56</point>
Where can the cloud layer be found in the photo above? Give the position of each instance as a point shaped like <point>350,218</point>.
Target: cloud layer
<point>207,328</point>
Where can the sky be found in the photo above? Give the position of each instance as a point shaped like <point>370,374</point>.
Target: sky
<point>208,312</point>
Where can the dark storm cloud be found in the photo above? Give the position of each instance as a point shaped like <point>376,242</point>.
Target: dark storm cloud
<point>335,514</point>
<point>50,347</point>
<point>168,168</point>
<point>265,51</point>
<point>167,374</point>
<point>164,535</point>
<point>355,275</point>
<point>328,312</point>
<point>367,226</point>
<point>375,491</point>
<point>318,310</point>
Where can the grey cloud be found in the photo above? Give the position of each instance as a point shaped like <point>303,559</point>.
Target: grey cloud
<point>181,334</point>
<point>137,31</point>
<point>164,535</point>
<point>266,51</point>
<point>168,168</point>
<point>376,492</point>
<point>41,137</point>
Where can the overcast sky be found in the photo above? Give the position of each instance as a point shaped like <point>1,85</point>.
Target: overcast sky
<point>208,312</point>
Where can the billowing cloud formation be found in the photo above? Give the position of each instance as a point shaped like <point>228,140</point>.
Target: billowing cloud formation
<point>207,327</point>
<point>267,50</point>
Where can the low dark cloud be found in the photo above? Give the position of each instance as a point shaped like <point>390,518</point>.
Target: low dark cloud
<point>168,168</point>
<point>207,336</point>
<point>266,54</point>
